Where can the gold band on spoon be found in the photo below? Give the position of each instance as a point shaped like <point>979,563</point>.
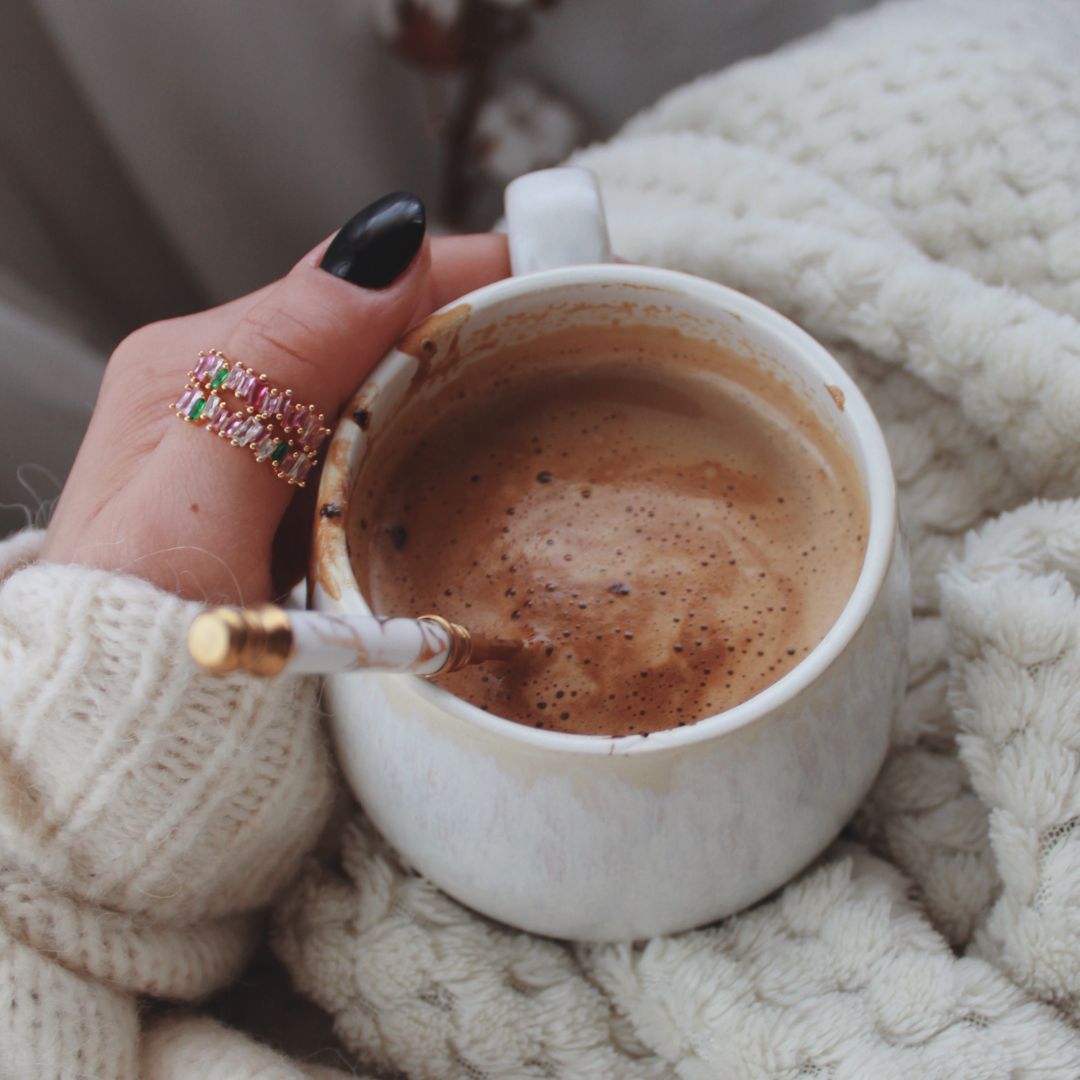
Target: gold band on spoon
<point>460,645</point>
<point>257,640</point>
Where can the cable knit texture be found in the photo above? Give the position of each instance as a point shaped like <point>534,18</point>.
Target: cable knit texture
<point>905,184</point>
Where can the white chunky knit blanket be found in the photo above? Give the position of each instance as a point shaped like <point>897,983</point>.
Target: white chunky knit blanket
<point>906,185</point>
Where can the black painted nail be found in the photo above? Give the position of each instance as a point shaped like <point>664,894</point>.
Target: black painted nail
<point>376,245</point>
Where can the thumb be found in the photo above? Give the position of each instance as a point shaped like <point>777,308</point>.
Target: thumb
<point>324,325</point>
<point>317,332</point>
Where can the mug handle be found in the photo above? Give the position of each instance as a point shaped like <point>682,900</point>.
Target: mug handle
<point>555,217</point>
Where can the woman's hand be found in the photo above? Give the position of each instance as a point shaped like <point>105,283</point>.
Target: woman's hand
<point>155,497</point>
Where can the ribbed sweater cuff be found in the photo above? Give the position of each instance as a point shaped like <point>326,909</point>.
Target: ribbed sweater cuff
<point>130,780</point>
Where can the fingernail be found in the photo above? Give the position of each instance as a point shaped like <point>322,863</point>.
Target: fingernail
<point>374,246</point>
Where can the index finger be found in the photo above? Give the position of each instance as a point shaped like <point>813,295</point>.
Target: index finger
<point>460,264</point>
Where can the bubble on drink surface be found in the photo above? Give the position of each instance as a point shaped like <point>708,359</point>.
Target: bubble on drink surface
<point>668,593</point>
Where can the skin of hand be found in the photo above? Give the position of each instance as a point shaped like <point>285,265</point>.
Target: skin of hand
<point>151,496</point>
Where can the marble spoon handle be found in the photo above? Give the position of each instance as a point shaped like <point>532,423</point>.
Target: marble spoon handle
<point>270,640</point>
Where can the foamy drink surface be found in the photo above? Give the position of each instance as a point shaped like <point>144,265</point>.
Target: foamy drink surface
<point>670,528</point>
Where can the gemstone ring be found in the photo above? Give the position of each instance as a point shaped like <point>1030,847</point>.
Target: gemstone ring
<point>264,418</point>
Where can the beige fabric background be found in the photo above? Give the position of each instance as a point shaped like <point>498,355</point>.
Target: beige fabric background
<point>162,157</point>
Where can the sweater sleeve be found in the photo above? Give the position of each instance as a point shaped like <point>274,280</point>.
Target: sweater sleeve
<point>147,809</point>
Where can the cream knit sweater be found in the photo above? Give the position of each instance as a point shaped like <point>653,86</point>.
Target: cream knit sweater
<point>146,814</point>
<point>906,185</point>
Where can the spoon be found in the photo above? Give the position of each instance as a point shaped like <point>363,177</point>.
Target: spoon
<point>270,640</point>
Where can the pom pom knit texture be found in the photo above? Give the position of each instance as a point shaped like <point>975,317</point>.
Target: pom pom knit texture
<point>906,185</point>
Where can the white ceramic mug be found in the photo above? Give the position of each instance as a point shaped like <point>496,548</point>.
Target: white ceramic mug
<point>589,837</point>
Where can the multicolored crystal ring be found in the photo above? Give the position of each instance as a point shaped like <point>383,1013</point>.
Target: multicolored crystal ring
<point>264,421</point>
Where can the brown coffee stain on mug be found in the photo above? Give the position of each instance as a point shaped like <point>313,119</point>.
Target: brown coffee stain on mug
<point>436,336</point>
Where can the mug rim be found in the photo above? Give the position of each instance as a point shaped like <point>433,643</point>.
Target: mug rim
<point>329,545</point>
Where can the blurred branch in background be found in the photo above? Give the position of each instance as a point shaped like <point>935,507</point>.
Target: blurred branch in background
<point>491,127</point>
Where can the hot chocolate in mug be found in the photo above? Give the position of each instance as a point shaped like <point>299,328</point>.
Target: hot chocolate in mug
<point>596,837</point>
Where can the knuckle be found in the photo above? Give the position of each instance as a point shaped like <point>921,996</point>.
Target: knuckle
<point>135,346</point>
<point>272,339</point>
<point>145,343</point>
